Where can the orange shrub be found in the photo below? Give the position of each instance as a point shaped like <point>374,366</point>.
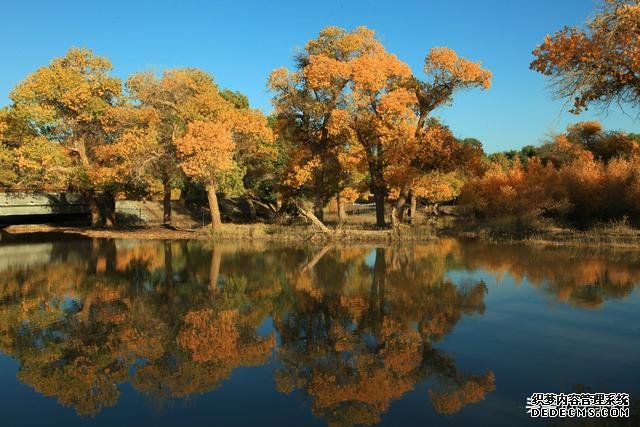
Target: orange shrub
<point>518,191</point>
<point>583,189</point>
<point>583,180</point>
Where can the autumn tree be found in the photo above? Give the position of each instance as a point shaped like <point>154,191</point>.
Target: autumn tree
<point>446,73</point>
<point>218,137</point>
<point>66,103</point>
<point>126,162</point>
<point>519,191</point>
<point>391,116</point>
<point>306,101</point>
<point>176,99</point>
<point>596,64</point>
<point>583,175</point>
<point>356,107</point>
<point>438,166</point>
<point>258,163</point>
<point>29,161</point>
<point>238,99</point>
<point>604,145</point>
<point>7,157</point>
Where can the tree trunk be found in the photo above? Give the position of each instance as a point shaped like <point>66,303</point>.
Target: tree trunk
<point>435,211</point>
<point>109,210</point>
<point>318,207</point>
<point>379,197</point>
<point>281,208</point>
<point>342,213</point>
<point>253,215</point>
<point>402,202</point>
<point>311,217</point>
<point>216,221</point>
<point>395,222</point>
<point>89,193</point>
<point>413,210</point>
<point>96,218</point>
<point>166,201</point>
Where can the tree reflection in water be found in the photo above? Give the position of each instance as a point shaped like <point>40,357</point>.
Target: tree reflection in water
<point>362,342</point>
<point>357,327</point>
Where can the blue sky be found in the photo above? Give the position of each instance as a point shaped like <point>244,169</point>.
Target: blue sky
<point>241,42</point>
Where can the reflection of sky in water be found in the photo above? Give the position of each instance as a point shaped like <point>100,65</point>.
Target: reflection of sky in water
<point>370,259</point>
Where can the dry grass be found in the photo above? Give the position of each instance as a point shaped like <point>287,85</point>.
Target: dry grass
<point>544,231</point>
<point>361,228</point>
<point>349,232</point>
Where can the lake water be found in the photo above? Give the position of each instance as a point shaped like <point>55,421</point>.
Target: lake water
<point>186,333</point>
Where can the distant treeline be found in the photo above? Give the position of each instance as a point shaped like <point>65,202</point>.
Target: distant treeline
<point>583,175</point>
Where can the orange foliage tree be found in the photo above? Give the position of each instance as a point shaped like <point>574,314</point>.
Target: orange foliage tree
<point>523,192</point>
<point>597,64</point>
<point>28,160</point>
<point>175,98</point>
<point>392,117</point>
<point>123,164</point>
<point>218,136</point>
<point>67,102</point>
<point>307,103</point>
<point>369,109</point>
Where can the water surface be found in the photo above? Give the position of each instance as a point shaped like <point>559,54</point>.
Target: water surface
<point>122,332</point>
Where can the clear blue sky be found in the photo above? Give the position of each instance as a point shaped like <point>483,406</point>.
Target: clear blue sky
<point>241,42</point>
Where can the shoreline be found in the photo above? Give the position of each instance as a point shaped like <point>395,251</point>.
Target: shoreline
<point>262,232</point>
<point>229,232</point>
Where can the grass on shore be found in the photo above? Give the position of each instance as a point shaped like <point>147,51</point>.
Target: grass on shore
<point>344,232</point>
<point>544,231</point>
<point>361,228</point>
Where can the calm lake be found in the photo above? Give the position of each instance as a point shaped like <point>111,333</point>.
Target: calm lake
<point>187,333</point>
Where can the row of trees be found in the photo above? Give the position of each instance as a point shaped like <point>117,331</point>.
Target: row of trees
<point>350,121</point>
<point>586,173</point>
<point>71,125</point>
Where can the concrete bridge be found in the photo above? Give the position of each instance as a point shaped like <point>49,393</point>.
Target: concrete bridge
<point>42,208</point>
<point>30,204</point>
